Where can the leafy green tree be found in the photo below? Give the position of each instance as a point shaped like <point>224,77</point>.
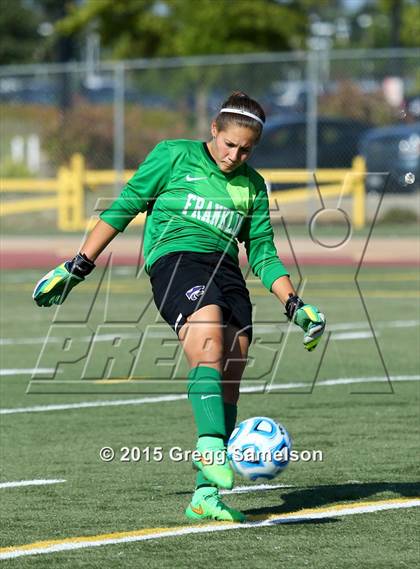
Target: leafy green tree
<point>149,28</point>
<point>379,24</point>
<point>19,37</point>
<point>27,32</point>
<point>410,25</point>
<point>394,23</point>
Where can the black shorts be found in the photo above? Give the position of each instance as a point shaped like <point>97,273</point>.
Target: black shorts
<point>184,282</point>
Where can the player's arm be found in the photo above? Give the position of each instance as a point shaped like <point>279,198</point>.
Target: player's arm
<point>55,286</point>
<point>146,183</point>
<point>282,288</point>
<point>263,258</point>
<point>98,239</point>
<point>258,237</point>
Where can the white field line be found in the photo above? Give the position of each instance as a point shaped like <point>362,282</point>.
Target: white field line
<point>26,371</point>
<point>258,329</point>
<point>381,324</point>
<point>83,542</point>
<point>89,404</point>
<point>179,397</point>
<point>351,335</point>
<point>343,381</point>
<point>38,482</point>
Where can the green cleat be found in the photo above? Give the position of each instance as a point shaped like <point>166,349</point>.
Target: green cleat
<point>206,504</point>
<point>213,462</point>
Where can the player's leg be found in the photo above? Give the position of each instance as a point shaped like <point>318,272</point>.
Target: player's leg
<point>195,314</point>
<point>225,349</point>
<point>235,357</point>
<point>202,337</point>
<point>206,502</point>
<point>235,354</point>
<point>202,341</point>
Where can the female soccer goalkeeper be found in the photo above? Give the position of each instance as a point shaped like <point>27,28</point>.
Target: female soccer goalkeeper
<point>201,199</point>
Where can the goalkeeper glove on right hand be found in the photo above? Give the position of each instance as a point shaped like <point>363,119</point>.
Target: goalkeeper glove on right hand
<point>308,318</point>
<point>55,286</point>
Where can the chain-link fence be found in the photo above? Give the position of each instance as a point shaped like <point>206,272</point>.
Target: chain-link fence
<point>321,108</point>
<point>115,113</point>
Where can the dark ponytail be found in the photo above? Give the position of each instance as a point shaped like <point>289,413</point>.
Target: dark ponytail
<point>241,102</point>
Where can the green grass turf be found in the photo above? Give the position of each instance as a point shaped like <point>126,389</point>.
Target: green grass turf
<point>367,433</point>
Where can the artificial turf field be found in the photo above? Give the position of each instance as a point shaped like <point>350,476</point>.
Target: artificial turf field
<point>365,426</point>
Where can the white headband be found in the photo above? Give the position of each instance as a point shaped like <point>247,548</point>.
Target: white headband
<point>240,112</point>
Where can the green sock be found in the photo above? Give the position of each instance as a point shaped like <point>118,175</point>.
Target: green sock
<point>206,397</point>
<point>231,413</point>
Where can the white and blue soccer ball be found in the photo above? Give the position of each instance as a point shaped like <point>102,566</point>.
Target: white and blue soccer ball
<point>259,448</point>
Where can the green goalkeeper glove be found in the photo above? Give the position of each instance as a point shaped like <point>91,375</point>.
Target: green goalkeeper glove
<point>55,286</point>
<point>308,318</point>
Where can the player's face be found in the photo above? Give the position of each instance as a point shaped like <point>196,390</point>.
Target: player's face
<point>231,147</point>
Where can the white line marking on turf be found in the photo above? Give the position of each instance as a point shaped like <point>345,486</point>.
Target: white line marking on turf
<point>255,488</point>
<point>338,381</point>
<point>352,335</point>
<point>163,398</point>
<point>89,404</point>
<point>381,324</point>
<point>56,546</point>
<point>38,482</point>
<point>26,371</point>
<point>341,326</point>
<point>258,328</point>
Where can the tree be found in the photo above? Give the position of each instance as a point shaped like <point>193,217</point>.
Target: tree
<point>19,37</point>
<point>367,24</point>
<point>393,23</point>
<point>149,28</point>
<point>27,32</point>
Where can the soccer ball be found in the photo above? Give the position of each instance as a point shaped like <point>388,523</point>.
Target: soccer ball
<point>259,448</point>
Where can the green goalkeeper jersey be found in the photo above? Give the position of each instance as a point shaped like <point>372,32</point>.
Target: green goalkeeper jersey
<point>193,206</point>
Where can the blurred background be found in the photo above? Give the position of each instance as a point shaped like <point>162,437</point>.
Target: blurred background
<point>106,80</point>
